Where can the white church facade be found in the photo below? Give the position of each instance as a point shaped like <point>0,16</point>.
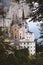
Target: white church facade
<point>15,21</point>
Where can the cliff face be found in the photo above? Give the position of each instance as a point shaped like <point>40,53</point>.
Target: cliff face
<point>20,10</point>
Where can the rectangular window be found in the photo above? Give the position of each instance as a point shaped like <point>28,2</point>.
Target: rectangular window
<point>20,25</point>
<point>24,43</point>
<point>20,37</point>
<point>23,37</point>
<point>31,46</point>
<point>28,46</point>
<point>31,50</point>
<point>24,47</point>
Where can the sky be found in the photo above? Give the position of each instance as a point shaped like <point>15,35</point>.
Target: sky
<point>34,27</point>
<point>6,2</point>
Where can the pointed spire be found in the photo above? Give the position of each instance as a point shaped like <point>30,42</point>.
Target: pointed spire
<point>12,21</point>
<point>23,17</point>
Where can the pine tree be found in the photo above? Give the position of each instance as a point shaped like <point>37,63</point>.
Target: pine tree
<point>40,45</point>
<point>4,46</point>
<point>41,33</point>
<point>37,11</point>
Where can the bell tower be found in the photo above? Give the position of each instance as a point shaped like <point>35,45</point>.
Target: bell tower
<point>15,31</point>
<point>20,13</point>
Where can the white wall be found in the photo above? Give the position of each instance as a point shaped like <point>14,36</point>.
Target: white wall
<point>30,46</point>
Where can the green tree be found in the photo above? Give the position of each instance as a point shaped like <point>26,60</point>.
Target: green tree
<point>41,33</point>
<point>40,45</point>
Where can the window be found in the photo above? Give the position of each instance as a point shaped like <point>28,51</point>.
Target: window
<point>15,37</point>
<point>27,37</point>
<point>15,29</point>
<point>31,50</point>
<point>23,38</point>
<point>25,26</point>
<point>24,43</point>
<point>20,33</point>
<point>20,25</point>
<point>28,46</point>
<point>24,47</point>
<point>20,36</point>
<point>31,46</point>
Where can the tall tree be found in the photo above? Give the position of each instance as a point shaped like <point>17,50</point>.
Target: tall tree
<point>37,11</point>
<point>40,45</point>
<point>41,33</point>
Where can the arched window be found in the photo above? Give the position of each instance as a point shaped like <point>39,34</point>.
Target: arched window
<point>20,35</point>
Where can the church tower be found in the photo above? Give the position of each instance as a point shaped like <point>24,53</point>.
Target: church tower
<point>20,14</point>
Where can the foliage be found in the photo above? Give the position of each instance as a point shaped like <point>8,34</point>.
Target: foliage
<point>39,48</point>
<point>17,57</point>
<point>41,31</point>
<point>10,55</point>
